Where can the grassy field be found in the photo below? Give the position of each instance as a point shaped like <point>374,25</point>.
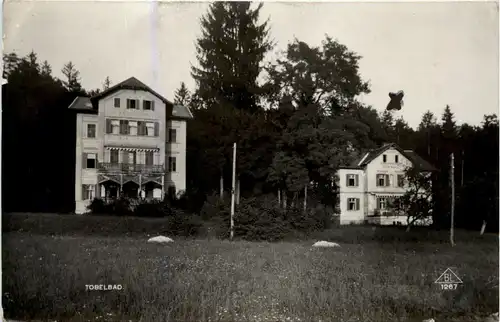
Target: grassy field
<point>381,274</point>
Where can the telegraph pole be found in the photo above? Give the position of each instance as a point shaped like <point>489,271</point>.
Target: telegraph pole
<point>452,241</point>
<point>233,192</point>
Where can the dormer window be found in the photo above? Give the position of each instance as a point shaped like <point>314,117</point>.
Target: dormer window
<point>117,102</point>
<point>396,159</point>
<point>384,157</point>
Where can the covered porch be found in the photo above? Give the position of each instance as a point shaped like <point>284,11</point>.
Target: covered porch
<point>131,186</point>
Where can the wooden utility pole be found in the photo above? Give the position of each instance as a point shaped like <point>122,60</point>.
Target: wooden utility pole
<point>462,170</point>
<point>452,179</point>
<point>233,191</point>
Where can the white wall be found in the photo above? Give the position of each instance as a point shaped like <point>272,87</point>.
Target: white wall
<point>108,111</point>
<point>378,166</point>
<point>84,145</point>
<point>351,216</point>
<point>177,150</point>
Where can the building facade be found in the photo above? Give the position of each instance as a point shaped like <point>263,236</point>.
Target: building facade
<point>130,141</point>
<point>367,186</point>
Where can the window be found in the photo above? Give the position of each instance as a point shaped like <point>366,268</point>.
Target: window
<point>148,105</point>
<point>172,166</point>
<point>352,180</point>
<point>117,102</point>
<point>87,191</point>
<point>91,130</point>
<point>114,156</point>
<point>381,203</point>
<point>124,128</point>
<point>352,204</point>
<point>132,104</point>
<point>382,180</point>
<point>401,180</point>
<point>396,158</point>
<point>172,135</point>
<point>149,157</point>
<point>385,158</point>
<point>89,161</point>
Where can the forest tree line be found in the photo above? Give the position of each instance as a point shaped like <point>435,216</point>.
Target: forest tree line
<point>295,121</point>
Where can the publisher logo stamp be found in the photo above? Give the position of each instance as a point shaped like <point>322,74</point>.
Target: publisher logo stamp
<point>448,280</point>
<point>103,287</point>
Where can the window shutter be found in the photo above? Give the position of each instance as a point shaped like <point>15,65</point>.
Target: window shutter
<point>387,180</point>
<point>157,129</point>
<point>357,203</point>
<point>356,179</point>
<point>108,126</point>
<point>152,105</point>
<point>138,104</point>
<point>84,191</point>
<point>347,180</point>
<point>127,128</point>
<point>84,160</point>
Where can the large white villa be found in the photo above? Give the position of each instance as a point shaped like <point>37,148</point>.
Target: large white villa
<point>130,140</point>
<point>368,184</point>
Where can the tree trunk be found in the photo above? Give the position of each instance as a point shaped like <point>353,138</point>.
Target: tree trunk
<point>452,177</point>
<point>279,197</point>
<point>238,192</point>
<point>305,198</point>
<point>284,200</point>
<point>483,227</point>
<point>221,187</point>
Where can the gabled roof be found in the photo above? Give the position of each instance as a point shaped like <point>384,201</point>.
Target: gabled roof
<point>182,112</point>
<point>83,105</point>
<point>414,158</point>
<point>131,83</point>
<point>89,104</point>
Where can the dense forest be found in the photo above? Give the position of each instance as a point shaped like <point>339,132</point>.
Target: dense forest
<point>295,120</point>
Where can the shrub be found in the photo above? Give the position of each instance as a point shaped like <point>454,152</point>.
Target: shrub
<point>260,220</point>
<point>153,208</point>
<point>99,207</point>
<point>184,225</point>
<point>215,208</point>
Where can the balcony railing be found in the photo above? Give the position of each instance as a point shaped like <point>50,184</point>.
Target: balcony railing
<point>129,168</point>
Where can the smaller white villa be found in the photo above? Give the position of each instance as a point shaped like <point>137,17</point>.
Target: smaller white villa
<point>367,185</point>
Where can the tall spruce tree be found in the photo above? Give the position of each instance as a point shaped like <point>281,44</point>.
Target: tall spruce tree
<point>182,95</point>
<point>230,52</point>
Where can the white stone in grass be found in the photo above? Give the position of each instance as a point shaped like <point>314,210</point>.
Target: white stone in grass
<point>160,240</point>
<point>429,320</point>
<point>325,244</point>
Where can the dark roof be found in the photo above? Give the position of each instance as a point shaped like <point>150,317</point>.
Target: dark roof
<point>418,161</point>
<point>131,83</point>
<point>415,159</point>
<point>182,112</point>
<point>83,105</point>
<point>89,104</point>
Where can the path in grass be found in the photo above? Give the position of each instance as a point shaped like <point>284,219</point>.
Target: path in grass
<point>201,280</point>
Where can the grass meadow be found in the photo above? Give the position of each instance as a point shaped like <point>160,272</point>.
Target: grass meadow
<point>378,274</point>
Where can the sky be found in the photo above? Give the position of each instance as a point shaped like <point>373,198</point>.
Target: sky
<point>439,53</point>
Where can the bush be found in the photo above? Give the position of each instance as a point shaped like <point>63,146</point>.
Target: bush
<point>184,225</point>
<point>99,207</point>
<point>258,220</point>
<point>263,219</point>
<point>153,208</point>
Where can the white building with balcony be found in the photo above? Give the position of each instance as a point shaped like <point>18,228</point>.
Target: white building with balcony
<point>130,141</point>
<point>367,186</point>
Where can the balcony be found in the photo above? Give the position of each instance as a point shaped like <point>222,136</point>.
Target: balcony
<point>106,167</point>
